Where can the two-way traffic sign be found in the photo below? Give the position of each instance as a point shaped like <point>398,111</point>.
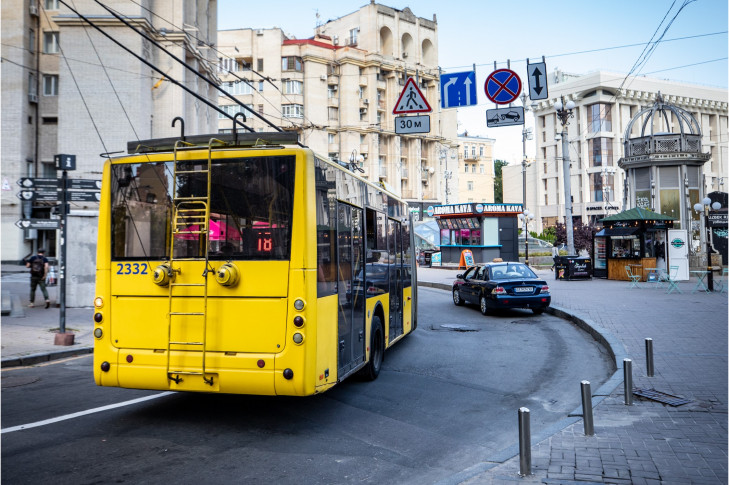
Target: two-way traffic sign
<point>537,73</point>
<point>458,89</point>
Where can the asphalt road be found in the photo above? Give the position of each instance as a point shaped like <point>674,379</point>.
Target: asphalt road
<point>447,398</point>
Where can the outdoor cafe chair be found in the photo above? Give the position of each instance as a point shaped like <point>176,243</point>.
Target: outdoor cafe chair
<point>634,278</point>
<point>722,282</point>
<point>673,280</point>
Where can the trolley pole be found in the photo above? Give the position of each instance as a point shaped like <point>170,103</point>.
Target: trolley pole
<point>62,262</point>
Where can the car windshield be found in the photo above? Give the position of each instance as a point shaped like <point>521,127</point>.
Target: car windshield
<point>510,271</point>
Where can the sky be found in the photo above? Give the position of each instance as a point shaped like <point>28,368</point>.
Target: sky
<point>482,32</point>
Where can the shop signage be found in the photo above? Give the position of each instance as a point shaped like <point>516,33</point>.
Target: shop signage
<point>678,243</point>
<point>453,209</point>
<point>717,219</point>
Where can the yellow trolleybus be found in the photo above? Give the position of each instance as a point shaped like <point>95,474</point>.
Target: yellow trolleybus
<point>245,263</point>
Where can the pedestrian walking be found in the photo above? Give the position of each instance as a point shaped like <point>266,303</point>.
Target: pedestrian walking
<point>38,265</point>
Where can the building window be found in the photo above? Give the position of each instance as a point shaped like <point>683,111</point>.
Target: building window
<point>50,42</point>
<point>470,185</point>
<point>601,152</point>
<point>291,63</point>
<point>51,4</point>
<point>670,193</point>
<point>32,85</point>
<point>237,88</point>
<point>292,110</point>
<point>292,87</point>
<point>333,114</point>
<point>465,151</point>
<point>353,36</point>
<point>259,65</point>
<point>260,109</point>
<point>480,151</point>
<point>473,151</point>
<point>332,138</point>
<point>600,117</point>
<point>233,109</point>
<point>596,187</point>
<point>260,86</point>
<point>332,91</point>
<point>483,169</point>
<point>31,40</point>
<point>50,85</point>
<point>363,114</point>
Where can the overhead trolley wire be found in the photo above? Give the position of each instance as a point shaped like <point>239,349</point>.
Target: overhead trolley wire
<point>149,64</point>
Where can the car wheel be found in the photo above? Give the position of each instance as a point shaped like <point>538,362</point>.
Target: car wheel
<point>457,297</point>
<point>483,305</point>
<point>377,351</point>
<point>538,311</point>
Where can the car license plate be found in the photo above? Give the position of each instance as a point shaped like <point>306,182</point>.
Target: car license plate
<point>523,289</point>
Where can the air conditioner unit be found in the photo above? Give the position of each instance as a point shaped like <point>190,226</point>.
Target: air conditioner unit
<point>259,32</point>
<point>334,87</point>
<point>405,54</point>
<point>335,40</point>
<point>366,101</point>
<point>34,10</point>
<point>33,98</point>
<point>323,77</point>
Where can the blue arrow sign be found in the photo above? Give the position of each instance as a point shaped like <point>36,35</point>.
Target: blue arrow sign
<point>458,89</point>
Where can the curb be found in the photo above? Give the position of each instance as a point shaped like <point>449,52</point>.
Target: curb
<point>32,359</point>
<point>614,347</point>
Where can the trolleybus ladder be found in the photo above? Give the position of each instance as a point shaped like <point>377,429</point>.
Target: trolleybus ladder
<point>191,215</point>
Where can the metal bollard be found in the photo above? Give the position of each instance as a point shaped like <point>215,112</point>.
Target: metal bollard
<point>525,443</point>
<point>628,381</point>
<point>587,408</point>
<point>649,356</point>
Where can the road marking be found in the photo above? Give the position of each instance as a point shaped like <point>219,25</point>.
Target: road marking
<point>84,413</point>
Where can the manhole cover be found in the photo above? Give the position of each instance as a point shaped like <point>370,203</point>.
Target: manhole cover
<point>17,381</point>
<point>660,396</point>
<point>455,327</point>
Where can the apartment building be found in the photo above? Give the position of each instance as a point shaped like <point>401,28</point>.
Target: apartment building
<point>604,107</point>
<point>474,177</point>
<point>338,89</point>
<point>67,88</point>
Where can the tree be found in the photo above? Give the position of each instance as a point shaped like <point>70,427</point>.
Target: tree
<point>499,181</point>
<point>582,235</point>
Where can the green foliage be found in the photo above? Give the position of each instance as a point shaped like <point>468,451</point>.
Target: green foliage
<point>499,181</point>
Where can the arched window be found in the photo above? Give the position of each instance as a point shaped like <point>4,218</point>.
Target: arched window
<point>407,47</point>
<point>429,54</point>
<point>386,41</point>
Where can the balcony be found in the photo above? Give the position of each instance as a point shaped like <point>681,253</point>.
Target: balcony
<point>363,80</point>
<point>333,102</point>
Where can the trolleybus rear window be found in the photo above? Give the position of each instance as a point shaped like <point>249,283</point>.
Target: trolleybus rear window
<point>251,205</point>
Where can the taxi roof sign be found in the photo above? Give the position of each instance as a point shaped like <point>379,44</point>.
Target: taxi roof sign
<point>411,100</point>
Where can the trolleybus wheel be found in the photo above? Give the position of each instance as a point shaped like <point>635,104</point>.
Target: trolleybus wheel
<point>377,351</point>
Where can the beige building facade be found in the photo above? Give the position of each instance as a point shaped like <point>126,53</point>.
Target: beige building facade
<point>338,89</point>
<point>475,174</point>
<point>603,110</point>
<point>68,89</point>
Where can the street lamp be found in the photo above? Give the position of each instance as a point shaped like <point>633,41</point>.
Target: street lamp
<point>704,206</point>
<point>526,217</point>
<point>607,171</point>
<point>564,113</point>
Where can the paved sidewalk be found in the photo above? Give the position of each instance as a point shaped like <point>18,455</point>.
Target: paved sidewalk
<point>647,442</point>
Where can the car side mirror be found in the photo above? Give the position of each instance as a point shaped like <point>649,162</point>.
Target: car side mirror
<point>460,275</point>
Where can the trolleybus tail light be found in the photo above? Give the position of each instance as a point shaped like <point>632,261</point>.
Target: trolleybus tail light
<point>288,374</point>
<point>299,321</point>
<point>299,304</point>
<point>105,366</point>
<point>261,363</point>
<point>499,290</point>
<point>98,317</point>
<point>130,358</point>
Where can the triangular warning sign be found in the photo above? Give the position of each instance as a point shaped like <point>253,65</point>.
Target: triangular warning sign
<point>411,100</point>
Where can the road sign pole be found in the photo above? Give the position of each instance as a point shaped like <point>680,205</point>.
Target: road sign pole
<point>62,263</point>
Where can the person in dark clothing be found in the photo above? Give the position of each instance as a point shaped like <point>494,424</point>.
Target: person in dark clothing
<point>38,265</point>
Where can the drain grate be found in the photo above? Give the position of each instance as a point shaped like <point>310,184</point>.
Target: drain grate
<point>660,396</point>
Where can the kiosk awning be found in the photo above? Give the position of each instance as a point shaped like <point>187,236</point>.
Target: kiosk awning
<point>618,232</point>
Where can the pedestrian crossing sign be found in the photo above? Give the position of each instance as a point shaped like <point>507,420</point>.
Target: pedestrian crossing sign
<point>411,100</point>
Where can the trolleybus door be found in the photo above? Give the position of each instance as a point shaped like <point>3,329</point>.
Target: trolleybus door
<point>351,303</point>
<point>394,247</point>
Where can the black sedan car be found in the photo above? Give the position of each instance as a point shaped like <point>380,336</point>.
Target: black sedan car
<point>500,285</point>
